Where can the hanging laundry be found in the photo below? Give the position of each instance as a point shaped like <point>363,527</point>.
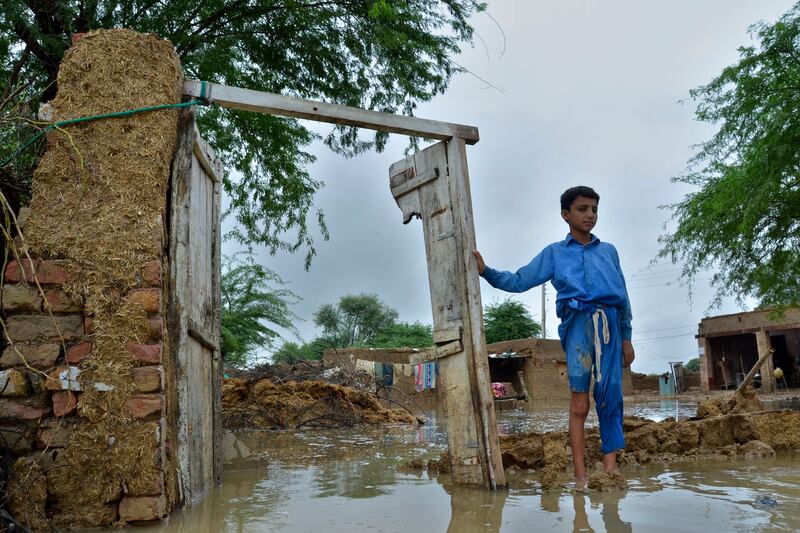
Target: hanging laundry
<point>425,376</point>
<point>499,390</point>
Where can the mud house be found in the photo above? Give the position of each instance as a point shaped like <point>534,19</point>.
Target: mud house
<point>541,362</point>
<point>729,346</point>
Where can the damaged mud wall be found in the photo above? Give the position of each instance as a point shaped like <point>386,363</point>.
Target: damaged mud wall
<point>82,406</point>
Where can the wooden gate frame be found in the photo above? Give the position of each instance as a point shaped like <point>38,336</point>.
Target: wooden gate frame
<point>471,428</point>
<point>194,411</point>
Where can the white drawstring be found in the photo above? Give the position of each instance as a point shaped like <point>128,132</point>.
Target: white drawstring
<point>598,346</point>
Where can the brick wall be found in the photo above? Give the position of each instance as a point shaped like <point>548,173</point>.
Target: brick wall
<point>50,343</point>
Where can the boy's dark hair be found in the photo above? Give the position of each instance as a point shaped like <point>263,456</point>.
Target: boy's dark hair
<point>571,194</point>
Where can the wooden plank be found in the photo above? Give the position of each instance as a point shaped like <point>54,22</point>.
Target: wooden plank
<point>176,364</point>
<point>206,156</point>
<point>434,354</point>
<point>473,335</point>
<point>455,398</point>
<point>397,356</point>
<point>441,336</point>
<point>276,104</point>
<point>216,329</point>
<point>414,182</point>
<point>202,334</point>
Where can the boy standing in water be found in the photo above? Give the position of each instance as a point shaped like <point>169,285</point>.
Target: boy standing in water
<point>595,313</point>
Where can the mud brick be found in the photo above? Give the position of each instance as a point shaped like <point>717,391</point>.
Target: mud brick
<point>40,356</point>
<point>26,328</point>
<point>64,403</point>
<point>22,411</point>
<point>147,378</point>
<point>79,352</point>
<point>47,272</point>
<point>54,434</point>
<point>156,327</point>
<point>60,302</point>
<point>16,439</point>
<point>151,274</point>
<point>88,325</point>
<point>13,383</point>
<point>142,508</point>
<point>145,353</point>
<point>149,299</point>
<point>21,298</point>
<point>143,405</point>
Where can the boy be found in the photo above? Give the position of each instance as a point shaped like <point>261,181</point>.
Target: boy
<point>595,314</point>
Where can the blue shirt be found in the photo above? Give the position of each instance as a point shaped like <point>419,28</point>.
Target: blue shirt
<point>589,274</point>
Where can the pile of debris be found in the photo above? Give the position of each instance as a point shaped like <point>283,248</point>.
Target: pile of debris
<point>304,395</point>
<point>723,429</point>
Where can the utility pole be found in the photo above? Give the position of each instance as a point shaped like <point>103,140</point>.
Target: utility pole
<point>544,310</point>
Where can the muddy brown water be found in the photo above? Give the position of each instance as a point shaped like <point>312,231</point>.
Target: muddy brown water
<point>346,480</point>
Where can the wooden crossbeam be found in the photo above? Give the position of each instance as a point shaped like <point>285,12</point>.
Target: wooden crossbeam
<point>276,104</point>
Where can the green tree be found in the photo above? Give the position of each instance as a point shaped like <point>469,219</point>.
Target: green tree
<point>355,321</point>
<point>251,309</point>
<point>376,54</point>
<point>743,216</point>
<point>404,335</point>
<point>508,320</point>
<point>291,352</point>
<point>693,366</point>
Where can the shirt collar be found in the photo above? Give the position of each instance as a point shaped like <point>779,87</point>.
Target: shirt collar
<point>570,238</point>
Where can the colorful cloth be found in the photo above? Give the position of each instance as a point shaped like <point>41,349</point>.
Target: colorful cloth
<point>499,390</point>
<point>425,376</point>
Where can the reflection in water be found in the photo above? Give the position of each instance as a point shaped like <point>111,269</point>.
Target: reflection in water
<point>346,481</point>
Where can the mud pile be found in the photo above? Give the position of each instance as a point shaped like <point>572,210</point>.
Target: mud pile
<point>264,404</point>
<point>744,402</point>
<point>304,370</point>
<point>732,436</point>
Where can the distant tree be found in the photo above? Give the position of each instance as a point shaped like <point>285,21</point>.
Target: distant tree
<point>508,320</point>
<point>404,335</point>
<point>378,54</point>
<point>743,215</point>
<point>291,352</point>
<point>355,321</point>
<point>693,366</point>
<point>251,309</point>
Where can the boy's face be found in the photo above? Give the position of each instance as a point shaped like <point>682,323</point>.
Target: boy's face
<point>582,214</point>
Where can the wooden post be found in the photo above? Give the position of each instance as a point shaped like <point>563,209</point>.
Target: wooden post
<point>764,352</point>
<point>706,370</point>
<point>433,185</point>
<point>474,337</point>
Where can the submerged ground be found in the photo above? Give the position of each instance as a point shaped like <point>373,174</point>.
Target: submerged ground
<point>348,480</point>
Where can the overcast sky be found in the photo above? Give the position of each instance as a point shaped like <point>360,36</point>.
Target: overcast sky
<point>583,92</point>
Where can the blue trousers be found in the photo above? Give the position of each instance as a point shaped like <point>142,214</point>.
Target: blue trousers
<point>592,339</point>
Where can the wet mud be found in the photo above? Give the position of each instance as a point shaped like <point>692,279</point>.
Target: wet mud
<point>263,404</point>
<point>741,430</point>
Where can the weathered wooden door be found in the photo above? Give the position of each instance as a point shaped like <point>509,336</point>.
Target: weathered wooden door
<point>194,311</point>
<point>433,185</point>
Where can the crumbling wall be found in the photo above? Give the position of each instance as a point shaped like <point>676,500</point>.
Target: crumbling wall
<point>83,400</point>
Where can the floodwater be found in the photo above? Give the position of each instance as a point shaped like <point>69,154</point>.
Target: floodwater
<point>346,481</point>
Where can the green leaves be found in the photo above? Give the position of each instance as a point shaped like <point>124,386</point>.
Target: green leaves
<point>744,217</point>
<point>355,321</point>
<point>380,55</point>
<point>509,320</point>
<point>251,309</point>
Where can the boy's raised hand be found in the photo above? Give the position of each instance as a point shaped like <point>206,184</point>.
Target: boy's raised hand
<point>479,260</point>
